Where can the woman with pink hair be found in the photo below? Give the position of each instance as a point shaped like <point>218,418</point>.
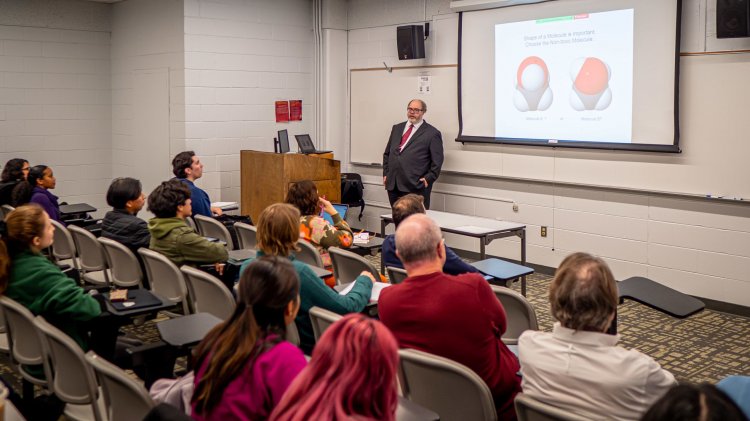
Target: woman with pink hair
<point>352,375</point>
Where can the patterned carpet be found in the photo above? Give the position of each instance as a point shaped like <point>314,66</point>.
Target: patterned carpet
<point>705,347</point>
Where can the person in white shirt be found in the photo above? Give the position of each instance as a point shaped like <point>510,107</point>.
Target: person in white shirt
<point>578,367</point>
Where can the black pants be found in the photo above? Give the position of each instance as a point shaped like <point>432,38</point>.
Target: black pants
<point>394,195</point>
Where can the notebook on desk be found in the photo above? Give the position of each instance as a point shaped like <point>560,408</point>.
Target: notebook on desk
<point>306,145</point>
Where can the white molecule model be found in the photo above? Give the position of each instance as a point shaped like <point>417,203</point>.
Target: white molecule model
<point>591,91</point>
<point>533,92</point>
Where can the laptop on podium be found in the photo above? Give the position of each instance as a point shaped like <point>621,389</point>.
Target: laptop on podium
<point>306,145</point>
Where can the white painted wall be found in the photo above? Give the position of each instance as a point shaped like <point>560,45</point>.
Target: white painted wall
<point>696,246</point>
<point>240,57</point>
<point>55,92</point>
<point>147,89</point>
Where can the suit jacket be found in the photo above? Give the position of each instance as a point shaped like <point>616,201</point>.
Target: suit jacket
<point>421,158</point>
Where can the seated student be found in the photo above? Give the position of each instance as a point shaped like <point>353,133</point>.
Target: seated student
<point>187,168</point>
<point>404,207</point>
<point>313,227</point>
<point>578,367</point>
<point>278,232</point>
<point>15,172</point>
<point>37,189</point>
<point>351,376</point>
<point>38,284</point>
<point>121,224</point>
<point>455,317</point>
<point>244,365</point>
<point>170,234</point>
<point>688,402</point>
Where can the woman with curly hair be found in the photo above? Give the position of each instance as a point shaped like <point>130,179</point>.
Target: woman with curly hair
<point>313,227</point>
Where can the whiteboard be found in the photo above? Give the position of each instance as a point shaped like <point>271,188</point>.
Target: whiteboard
<point>714,127</point>
<point>379,101</point>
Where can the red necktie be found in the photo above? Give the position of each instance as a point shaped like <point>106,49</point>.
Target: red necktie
<point>405,136</point>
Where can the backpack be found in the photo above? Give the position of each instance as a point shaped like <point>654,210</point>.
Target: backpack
<point>352,191</point>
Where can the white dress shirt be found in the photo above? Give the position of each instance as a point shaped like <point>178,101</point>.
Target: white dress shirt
<point>414,130</point>
<point>587,373</point>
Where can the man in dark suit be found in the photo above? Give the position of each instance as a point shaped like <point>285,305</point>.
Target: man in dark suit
<point>413,156</point>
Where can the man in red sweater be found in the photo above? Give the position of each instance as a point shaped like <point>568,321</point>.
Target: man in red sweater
<point>456,317</point>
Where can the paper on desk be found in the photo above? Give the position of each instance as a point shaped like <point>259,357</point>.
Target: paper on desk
<point>376,288</point>
<point>362,238</point>
<point>225,205</point>
<point>472,229</point>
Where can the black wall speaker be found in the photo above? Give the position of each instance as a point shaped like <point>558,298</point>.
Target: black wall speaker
<point>410,42</point>
<point>732,18</point>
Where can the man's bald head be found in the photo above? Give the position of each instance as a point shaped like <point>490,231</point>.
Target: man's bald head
<point>417,239</point>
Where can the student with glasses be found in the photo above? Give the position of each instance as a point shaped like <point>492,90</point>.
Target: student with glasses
<point>413,156</point>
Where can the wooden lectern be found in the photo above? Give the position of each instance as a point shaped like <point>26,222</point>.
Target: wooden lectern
<point>266,177</point>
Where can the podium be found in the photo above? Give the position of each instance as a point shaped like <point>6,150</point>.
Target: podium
<point>265,177</point>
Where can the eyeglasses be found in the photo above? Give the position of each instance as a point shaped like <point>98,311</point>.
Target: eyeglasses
<point>414,110</point>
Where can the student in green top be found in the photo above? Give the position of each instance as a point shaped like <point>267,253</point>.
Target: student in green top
<point>29,278</point>
<point>171,235</point>
<point>278,232</point>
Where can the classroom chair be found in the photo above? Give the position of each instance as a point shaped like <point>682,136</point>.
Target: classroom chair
<point>210,227</point>
<point>124,398</point>
<point>309,254</point>
<point>91,260</point>
<point>519,313</point>
<point>321,320</point>
<point>25,345</point>
<point>396,275</point>
<point>63,248</point>
<point>451,389</point>
<point>73,379</point>
<point>208,294</point>
<point>165,279</point>
<point>246,235</point>
<point>347,266</point>
<point>124,267</point>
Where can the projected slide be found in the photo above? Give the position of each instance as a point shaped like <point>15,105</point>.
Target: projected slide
<point>565,78</point>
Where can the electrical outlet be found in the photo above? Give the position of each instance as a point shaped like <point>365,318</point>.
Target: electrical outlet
<point>544,231</point>
<point>515,207</point>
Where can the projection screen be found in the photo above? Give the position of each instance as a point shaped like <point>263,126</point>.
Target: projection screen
<point>572,73</point>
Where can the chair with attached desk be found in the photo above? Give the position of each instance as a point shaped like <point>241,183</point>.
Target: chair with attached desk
<point>63,247</point>
<point>25,343</point>
<point>502,272</point>
<point>191,223</point>
<point>451,389</point>
<point>124,267</point>
<point>518,311</point>
<point>5,210</point>
<point>210,227</point>
<point>396,275</point>
<point>124,398</point>
<point>165,278</point>
<point>246,235</point>
<point>309,254</point>
<point>530,409</point>
<point>73,379</point>
<point>321,320</point>
<point>347,266</point>
<point>208,294</point>
<point>91,258</point>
